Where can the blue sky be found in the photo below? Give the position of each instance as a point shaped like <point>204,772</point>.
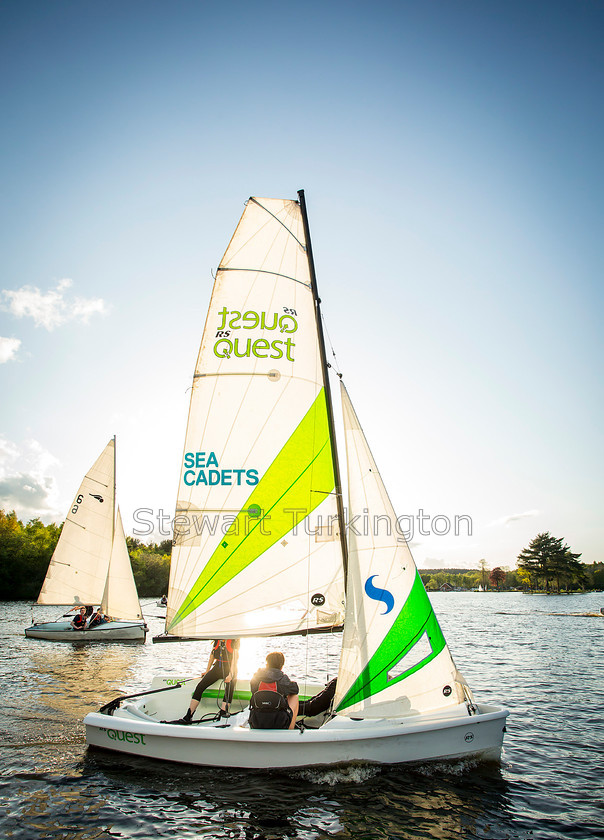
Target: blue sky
<point>451,154</point>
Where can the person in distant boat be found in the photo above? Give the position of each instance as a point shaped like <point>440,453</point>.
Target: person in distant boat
<point>97,619</point>
<point>222,665</point>
<point>274,702</point>
<point>89,609</point>
<point>320,702</point>
<point>79,620</point>
<point>164,600</point>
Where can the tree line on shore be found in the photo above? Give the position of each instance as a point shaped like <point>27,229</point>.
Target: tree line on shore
<point>545,565</point>
<point>26,549</point>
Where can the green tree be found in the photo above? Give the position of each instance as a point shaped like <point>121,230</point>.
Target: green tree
<point>512,578</point>
<point>595,575</point>
<point>151,572</point>
<point>547,559</point>
<point>25,552</point>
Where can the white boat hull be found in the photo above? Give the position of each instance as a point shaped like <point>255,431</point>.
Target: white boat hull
<point>113,631</point>
<point>135,728</point>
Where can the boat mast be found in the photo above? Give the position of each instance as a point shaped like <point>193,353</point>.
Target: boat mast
<point>114,491</point>
<point>330,421</point>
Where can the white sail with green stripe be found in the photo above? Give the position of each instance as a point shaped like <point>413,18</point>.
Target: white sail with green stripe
<point>395,660</point>
<point>263,547</point>
<point>256,541</point>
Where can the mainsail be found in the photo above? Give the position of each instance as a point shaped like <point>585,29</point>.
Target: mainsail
<point>120,597</point>
<point>78,569</point>
<point>256,537</point>
<point>394,659</point>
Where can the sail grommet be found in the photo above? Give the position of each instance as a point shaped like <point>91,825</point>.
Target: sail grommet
<point>447,690</point>
<point>274,375</point>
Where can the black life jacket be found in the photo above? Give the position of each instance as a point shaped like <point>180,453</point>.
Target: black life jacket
<point>269,709</point>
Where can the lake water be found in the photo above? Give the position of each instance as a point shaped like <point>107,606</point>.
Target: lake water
<point>540,656</point>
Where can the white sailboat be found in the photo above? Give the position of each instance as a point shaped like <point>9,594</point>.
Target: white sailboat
<point>90,565</point>
<point>261,548</point>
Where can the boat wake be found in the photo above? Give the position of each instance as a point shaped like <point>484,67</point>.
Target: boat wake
<point>446,768</point>
<point>353,774</point>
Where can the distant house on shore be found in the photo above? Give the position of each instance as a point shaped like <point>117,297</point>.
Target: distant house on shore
<point>446,587</point>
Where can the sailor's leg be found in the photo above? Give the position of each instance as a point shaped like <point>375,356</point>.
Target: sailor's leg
<point>293,703</point>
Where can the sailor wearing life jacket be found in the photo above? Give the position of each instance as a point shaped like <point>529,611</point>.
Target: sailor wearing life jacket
<point>79,620</point>
<point>274,702</point>
<point>222,665</point>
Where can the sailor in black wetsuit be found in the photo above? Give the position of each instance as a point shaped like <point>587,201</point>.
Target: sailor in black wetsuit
<point>222,665</point>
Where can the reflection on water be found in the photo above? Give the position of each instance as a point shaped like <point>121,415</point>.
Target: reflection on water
<point>512,648</point>
<point>68,678</point>
<point>359,802</point>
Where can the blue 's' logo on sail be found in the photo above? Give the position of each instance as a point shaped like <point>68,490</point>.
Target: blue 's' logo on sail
<point>377,594</point>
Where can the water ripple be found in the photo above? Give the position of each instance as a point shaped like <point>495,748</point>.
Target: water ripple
<point>513,649</point>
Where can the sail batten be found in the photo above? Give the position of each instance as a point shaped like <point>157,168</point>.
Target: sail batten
<point>263,271</point>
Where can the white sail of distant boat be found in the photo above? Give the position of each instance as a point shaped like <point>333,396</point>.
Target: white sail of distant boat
<point>90,565</point>
<point>120,597</point>
<point>78,568</point>
<point>260,542</point>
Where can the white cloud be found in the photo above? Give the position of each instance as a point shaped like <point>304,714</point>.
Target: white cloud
<point>505,520</point>
<point>53,308</point>
<point>8,349</point>
<point>26,483</point>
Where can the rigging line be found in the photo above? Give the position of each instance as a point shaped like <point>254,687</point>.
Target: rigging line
<point>280,222</point>
<point>264,271</point>
<point>308,554</point>
<point>336,366</point>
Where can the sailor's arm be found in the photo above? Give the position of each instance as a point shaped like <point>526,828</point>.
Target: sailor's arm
<point>233,669</point>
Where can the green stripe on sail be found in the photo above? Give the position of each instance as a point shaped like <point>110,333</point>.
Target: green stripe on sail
<point>416,618</point>
<point>299,478</point>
